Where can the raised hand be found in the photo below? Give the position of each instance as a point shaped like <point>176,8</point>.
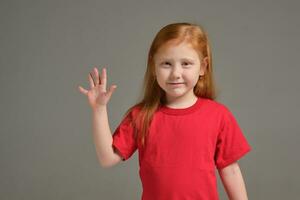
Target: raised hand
<point>97,95</point>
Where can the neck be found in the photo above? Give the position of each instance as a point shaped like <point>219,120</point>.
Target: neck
<point>182,101</point>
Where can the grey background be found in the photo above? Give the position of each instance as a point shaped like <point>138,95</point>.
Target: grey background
<point>48,47</point>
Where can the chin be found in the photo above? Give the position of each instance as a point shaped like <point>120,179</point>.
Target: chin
<point>176,94</point>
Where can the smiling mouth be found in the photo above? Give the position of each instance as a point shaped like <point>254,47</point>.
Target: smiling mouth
<point>176,83</point>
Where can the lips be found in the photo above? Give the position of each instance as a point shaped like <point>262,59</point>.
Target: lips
<point>175,83</point>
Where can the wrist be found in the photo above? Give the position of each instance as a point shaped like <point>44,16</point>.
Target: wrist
<point>99,109</point>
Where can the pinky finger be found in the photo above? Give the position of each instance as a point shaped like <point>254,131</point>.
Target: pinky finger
<point>82,90</point>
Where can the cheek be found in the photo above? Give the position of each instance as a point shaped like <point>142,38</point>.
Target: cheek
<point>192,78</point>
<point>162,75</point>
<point>161,80</point>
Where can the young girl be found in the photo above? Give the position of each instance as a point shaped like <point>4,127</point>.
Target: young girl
<point>182,134</point>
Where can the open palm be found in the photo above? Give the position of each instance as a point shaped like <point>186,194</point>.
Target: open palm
<point>97,95</point>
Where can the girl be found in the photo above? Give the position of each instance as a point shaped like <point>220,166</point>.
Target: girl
<point>182,134</point>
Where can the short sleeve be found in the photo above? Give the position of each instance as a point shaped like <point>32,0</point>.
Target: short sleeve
<point>231,143</point>
<point>123,138</point>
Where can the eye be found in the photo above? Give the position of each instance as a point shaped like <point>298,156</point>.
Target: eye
<point>165,64</point>
<point>186,63</point>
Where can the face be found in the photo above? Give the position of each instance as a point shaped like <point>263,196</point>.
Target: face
<point>177,70</point>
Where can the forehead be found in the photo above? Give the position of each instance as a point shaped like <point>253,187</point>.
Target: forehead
<point>181,50</point>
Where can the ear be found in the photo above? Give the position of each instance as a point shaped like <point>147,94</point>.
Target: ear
<point>204,64</point>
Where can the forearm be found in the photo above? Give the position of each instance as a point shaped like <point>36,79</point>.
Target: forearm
<point>102,135</point>
<point>233,182</point>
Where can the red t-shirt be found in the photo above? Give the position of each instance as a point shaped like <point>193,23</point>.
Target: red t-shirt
<point>184,148</point>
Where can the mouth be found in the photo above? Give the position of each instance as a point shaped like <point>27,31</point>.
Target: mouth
<point>175,83</point>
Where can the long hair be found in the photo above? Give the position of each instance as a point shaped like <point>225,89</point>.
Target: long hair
<point>153,96</point>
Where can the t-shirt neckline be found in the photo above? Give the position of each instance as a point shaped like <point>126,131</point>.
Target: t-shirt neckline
<point>181,111</point>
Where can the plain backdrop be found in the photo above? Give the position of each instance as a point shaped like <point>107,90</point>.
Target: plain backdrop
<point>49,47</point>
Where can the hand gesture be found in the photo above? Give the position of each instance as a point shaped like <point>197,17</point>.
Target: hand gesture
<point>97,95</point>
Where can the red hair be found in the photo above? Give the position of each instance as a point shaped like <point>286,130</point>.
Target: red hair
<point>153,95</point>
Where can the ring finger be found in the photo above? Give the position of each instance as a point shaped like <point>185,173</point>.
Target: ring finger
<point>96,75</point>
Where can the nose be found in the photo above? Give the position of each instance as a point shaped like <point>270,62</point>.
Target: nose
<point>176,71</point>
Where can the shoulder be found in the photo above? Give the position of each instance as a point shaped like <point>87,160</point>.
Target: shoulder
<point>133,111</point>
<point>215,106</point>
<point>136,109</point>
<point>219,105</point>
<point>227,116</point>
<point>218,109</point>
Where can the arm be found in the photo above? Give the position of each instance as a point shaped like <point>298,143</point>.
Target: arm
<point>103,138</point>
<point>233,182</point>
<point>98,98</point>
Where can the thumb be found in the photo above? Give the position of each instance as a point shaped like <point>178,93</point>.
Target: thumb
<point>111,90</point>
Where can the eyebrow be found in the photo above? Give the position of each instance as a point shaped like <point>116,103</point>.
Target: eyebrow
<point>189,59</point>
